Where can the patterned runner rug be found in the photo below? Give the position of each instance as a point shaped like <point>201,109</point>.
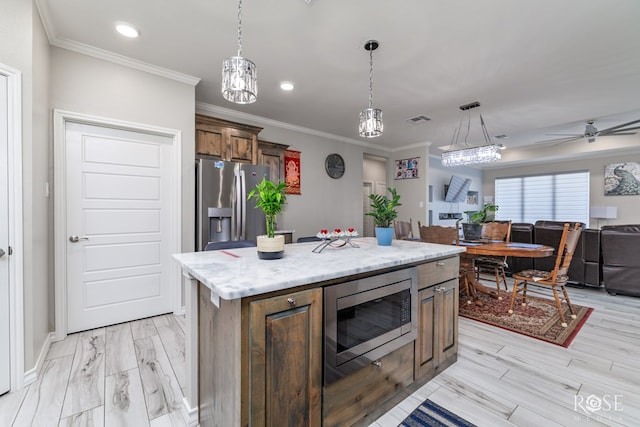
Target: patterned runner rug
<point>539,319</point>
<point>433,415</point>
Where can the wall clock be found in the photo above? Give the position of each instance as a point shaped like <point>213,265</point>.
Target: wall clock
<point>334,165</point>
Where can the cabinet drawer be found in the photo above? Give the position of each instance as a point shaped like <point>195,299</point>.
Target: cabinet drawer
<point>438,271</point>
<point>354,396</point>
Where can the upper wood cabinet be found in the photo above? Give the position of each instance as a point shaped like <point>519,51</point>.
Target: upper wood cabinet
<point>235,142</point>
<point>272,154</point>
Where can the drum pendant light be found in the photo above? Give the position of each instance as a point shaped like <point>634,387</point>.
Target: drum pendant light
<point>371,118</point>
<point>239,75</point>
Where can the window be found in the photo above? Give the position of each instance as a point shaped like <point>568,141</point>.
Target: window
<point>554,197</point>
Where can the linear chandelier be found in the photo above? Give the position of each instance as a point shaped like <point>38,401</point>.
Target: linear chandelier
<point>370,118</point>
<point>239,75</point>
<point>469,155</point>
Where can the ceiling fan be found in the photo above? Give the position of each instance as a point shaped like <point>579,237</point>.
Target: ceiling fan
<point>591,132</point>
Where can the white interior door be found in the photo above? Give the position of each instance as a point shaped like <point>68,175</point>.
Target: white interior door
<point>118,222</point>
<point>5,367</point>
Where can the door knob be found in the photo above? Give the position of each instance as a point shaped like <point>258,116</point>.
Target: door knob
<point>76,239</point>
<point>1,252</point>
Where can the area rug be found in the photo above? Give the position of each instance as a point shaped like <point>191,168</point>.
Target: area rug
<point>539,319</point>
<point>433,415</point>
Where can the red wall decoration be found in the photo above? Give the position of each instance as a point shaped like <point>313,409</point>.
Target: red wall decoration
<point>292,171</point>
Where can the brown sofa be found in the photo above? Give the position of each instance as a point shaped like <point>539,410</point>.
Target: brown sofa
<point>620,259</point>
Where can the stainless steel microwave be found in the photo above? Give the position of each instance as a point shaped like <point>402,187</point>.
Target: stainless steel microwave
<point>368,318</point>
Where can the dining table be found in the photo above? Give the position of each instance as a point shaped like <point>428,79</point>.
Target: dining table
<point>498,249</point>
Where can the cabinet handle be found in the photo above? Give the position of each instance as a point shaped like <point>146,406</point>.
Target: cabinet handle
<point>440,264</point>
<point>377,364</point>
<point>291,301</point>
<point>440,290</point>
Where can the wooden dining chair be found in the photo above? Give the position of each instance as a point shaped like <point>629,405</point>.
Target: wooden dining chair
<point>493,267</point>
<point>451,236</point>
<point>404,229</point>
<point>554,279</point>
<point>438,234</point>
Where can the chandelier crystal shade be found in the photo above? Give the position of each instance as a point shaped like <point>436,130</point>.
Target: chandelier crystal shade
<point>239,75</point>
<point>469,155</point>
<point>371,118</point>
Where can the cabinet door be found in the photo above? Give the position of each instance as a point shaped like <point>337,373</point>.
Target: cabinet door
<point>242,146</point>
<point>274,161</point>
<point>426,356</point>
<point>210,142</point>
<point>437,340</point>
<point>447,319</point>
<point>285,372</point>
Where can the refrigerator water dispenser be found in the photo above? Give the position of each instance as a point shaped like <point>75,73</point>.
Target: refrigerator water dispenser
<point>219,224</point>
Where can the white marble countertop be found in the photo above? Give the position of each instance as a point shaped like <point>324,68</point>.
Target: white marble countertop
<point>237,273</point>
<point>284,231</point>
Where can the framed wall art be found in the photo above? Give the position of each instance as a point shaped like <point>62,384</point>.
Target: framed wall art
<point>622,179</point>
<point>407,168</point>
<point>292,172</point>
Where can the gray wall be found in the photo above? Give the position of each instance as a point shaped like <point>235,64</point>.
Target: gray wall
<point>414,192</point>
<point>83,84</point>
<point>325,202</point>
<point>25,49</point>
<point>439,176</point>
<point>627,205</point>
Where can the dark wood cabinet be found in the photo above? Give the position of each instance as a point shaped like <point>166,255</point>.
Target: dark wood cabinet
<point>272,154</point>
<point>285,360</point>
<point>437,343</point>
<point>226,140</point>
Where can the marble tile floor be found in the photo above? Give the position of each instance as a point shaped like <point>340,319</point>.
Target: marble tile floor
<point>131,375</point>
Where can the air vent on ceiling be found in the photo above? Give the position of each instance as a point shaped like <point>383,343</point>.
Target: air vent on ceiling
<point>418,119</point>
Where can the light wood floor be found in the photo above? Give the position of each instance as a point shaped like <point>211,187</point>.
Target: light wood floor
<point>132,374</point>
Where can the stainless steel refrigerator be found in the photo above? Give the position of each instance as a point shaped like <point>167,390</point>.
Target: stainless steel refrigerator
<point>223,212</point>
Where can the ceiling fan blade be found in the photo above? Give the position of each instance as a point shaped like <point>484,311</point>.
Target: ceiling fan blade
<point>620,131</point>
<point>617,133</point>
<point>620,127</point>
<point>560,140</point>
<point>577,135</point>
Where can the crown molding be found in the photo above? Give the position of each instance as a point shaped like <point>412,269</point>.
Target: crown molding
<point>54,40</point>
<point>204,108</point>
<point>125,61</point>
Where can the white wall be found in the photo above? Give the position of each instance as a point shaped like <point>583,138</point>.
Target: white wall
<point>439,176</point>
<point>627,205</point>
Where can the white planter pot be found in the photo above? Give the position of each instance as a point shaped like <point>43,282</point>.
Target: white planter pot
<point>270,247</point>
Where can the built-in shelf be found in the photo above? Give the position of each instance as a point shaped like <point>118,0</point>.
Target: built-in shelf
<point>450,215</point>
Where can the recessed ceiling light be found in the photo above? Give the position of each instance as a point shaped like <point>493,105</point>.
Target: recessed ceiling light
<point>127,30</point>
<point>288,86</point>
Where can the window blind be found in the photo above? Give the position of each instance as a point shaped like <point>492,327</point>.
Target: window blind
<point>554,197</point>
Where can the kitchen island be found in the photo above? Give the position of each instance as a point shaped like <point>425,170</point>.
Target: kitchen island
<point>254,348</point>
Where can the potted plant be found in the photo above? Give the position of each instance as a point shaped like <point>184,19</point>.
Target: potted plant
<point>472,229</point>
<point>383,215</point>
<point>271,199</point>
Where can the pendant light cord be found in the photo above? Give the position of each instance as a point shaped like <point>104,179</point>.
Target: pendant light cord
<point>370,75</point>
<point>239,27</point>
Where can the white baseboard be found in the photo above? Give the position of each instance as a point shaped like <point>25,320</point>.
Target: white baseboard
<point>189,414</point>
<point>32,375</point>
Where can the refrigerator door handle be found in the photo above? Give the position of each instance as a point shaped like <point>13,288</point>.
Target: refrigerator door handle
<point>235,229</point>
<point>243,203</point>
